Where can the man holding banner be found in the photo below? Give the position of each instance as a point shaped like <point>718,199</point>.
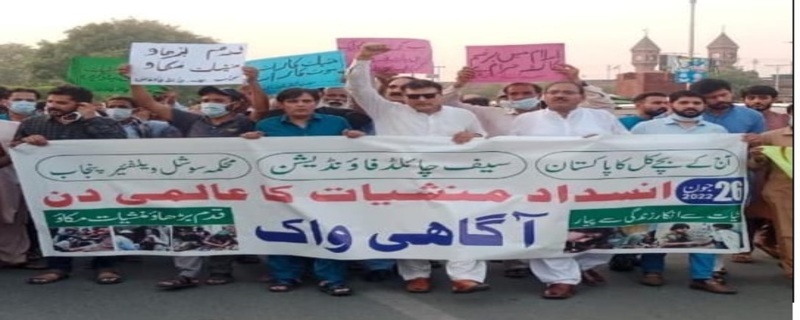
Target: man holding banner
<point>422,113</point>
<point>686,118</point>
<point>564,118</point>
<point>70,116</point>
<point>775,158</point>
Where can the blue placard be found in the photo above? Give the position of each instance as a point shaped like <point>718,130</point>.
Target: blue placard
<point>313,70</point>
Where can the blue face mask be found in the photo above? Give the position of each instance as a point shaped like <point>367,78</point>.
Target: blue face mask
<point>213,109</point>
<point>525,104</point>
<point>25,108</point>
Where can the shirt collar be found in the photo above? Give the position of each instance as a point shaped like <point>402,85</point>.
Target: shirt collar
<point>314,117</point>
<point>671,121</point>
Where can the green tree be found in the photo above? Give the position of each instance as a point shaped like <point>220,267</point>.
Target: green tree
<point>15,61</point>
<point>106,39</point>
<point>738,78</point>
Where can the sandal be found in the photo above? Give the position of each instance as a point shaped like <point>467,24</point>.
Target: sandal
<point>335,290</point>
<point>180,282</point>
<point>107,277</point>
<point>48,277</point>
<point>283,285</point>
<point>218,279</point>
<point>742,258</point>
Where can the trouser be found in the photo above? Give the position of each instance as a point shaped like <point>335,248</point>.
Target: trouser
<point>192,266</point>
<point>701,265</point>
<point>566,270</point>
<point>379,264</point>
<point>457,270</point>
<point>64,264</point>
<point>291,268</point>
<point>781,203</point>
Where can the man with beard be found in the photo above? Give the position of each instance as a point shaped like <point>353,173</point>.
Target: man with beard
<point>335,98</point>
<point>718,97</point>
<point>648,106</point>
<point>70,116</point>
<point>760,98</point>
<point>687,108</point>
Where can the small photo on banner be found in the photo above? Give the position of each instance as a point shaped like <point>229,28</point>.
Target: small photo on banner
<point>516,63</point>
<point>311,71</point>
<point>404,56</point>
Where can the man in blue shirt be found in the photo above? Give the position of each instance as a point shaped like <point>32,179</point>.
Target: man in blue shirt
<point>648,106</point>
<point>736,119</point>
<point>298,121</point>
<point>718,96</point>
<point>687,107</point>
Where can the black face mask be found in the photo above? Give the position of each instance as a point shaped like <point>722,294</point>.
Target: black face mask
<point>655,113</point>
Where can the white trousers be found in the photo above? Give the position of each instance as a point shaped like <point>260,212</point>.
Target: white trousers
<point>457,270</point>
<point>566,270</point>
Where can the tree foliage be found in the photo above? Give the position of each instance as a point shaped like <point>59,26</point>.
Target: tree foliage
<point>15,61</point>
<point>738,78</point>
<point>106,39</point>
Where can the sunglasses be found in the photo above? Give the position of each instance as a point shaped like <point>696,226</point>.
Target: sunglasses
<point>422,95</point>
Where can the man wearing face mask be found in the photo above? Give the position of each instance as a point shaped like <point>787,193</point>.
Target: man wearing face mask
<point>522,98</point>
<point>18,243</point>
<point>125,111</point>
<point>686,118</point>
<point>649,105</point>
<point>218,119</point>
<point>70,116</point>
<point>22,104</point>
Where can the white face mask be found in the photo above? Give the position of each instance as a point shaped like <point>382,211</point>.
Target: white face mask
<point>119,114</point>
<point>213,109</point>
<point>525,104</point>
<point>25,108</point>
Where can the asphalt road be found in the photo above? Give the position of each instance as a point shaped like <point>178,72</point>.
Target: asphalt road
<point>763,295</point>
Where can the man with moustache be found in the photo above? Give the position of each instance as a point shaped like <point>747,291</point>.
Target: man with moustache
<point>718,96</point>
<point>70,115</point>
<point>648,106</point>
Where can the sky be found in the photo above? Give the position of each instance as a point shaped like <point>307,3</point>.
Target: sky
<point>596,33</point>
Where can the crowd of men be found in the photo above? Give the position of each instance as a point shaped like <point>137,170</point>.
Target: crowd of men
<point>374,104</point>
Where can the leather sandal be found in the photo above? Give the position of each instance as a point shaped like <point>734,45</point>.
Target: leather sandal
<point>469,286</point>
<point>418,285</point>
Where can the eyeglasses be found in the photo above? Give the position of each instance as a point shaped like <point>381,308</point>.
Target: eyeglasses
<point>566,92</point>
<point>121,106</point>
<point>422,95</point>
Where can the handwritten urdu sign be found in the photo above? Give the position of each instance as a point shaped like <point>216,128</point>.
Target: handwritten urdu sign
<point>405,56</point>
<point>313,70</point>
<point>512,63</point>
<point>185,64</point>
<point>386,197</point>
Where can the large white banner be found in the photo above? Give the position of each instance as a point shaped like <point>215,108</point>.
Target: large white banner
<point>387,197</point>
